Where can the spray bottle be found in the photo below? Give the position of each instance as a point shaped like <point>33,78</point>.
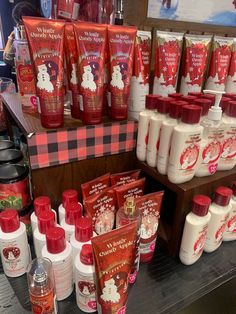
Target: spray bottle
<point>213,135</point>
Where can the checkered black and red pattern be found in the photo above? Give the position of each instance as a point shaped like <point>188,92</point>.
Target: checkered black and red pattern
<point>54,147</point>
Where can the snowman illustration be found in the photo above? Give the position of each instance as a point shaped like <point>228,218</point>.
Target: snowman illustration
<point>73,78</point>
<point>109,292</point>
<point>43,79</point>
<point>88,79</point>
<point>117,78</point>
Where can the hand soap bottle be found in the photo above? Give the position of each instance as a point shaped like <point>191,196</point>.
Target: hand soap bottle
<point>230,230</point>
<point>68,197</point>
<point>195,230</point>
<point>219,210</point>
<point>212,138</point>
<point>185,145</point>
<point>73,213</point>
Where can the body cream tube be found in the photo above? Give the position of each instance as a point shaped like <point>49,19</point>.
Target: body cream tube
<point>121,49</point>
<point>46,41</point>
<point>91,43</point>
<point>114,254</point>
<point>72,70</point>
<point>167,60</point>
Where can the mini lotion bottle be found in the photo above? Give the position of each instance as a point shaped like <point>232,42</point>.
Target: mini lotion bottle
<point>41,203</point>
<point>68,197</point>
<point>230,230</point>
<point>46,220</point>
<point>84,280</point>
<point>59,251</point>
<point>15,253</point>
<point>185,145</point>
<point>219,210</point>
<point>166,135</point>
<point>73,212</point>
<point>195,230</point>
<point>155,129</point>
<point>143,126</point>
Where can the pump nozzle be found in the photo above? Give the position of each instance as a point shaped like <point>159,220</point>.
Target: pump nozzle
<point>215,112</point>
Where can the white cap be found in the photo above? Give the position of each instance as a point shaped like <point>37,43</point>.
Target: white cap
<point>215,112</point>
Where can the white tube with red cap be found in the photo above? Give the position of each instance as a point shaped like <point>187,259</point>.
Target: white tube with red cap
<point>73,213</point>
<point>230,230</point>
<point>68,197</point>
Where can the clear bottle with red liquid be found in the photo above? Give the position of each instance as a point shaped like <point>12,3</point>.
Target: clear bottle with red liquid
<point>41,286</point>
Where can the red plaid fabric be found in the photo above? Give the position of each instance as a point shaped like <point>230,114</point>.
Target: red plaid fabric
<point>54,147</point>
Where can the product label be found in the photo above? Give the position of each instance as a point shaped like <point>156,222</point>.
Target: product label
<point>194,63</point>
<point>124,178</point>
<point>68,9</point>
<point>228,154</point>
<point>63,277</point>
<point>43,304</point>
<point>15,255</point>
<point>14,195</point>
<point>85,293</point>
<point>95,186</point>
<point>167,59</point>
<point>231,79</point>
<point>219,65</point>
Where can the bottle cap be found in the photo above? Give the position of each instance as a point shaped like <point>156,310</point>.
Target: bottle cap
<point>129,206</point>
<point>176,96</point>
<point>55,240</point>
<point>41,203</point>
<point>201,205</point>
<point>73,212</point>
<point>234,188</point>
<point>86,254</point>
<point>163,104</point>
<point>224,103</point>
<point>190,99</point>
<point>191,114</point>
<point>204,103</point>
<point>196,94</point>
<point>9,220</point>
<point>210,97</point>
<point>222,195</point>
<point>230,95</point>
<point>231,109</point>
<point>83,229</point>
<point>175,110</point>
<point>46,220</point>
<point>69,196</point>
<point>151,101</point>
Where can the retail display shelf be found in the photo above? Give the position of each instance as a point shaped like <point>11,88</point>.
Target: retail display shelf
<point>157,289</point>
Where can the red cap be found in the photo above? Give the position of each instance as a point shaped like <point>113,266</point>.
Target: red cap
<point>210,97</point>
<point>69,196</point>
<point>175,110</point>
<point>231,109</point>
<point>151,101</point>
<point>176,96</point>
<point>234,188</point>
<point>222,195</point>
<point>230,95</point>
<point>191,114</point>
<point>83,229</point>
<point>164,104</point>
<point>201,204</point>
<point>73,212</point>
<point>196,94</point>
<point>55,240</point>
<point>224,103</point>
<point>9,220</point>
<point>204,103</point>
<point>86,254</point>
<point>46,220</point>
<point>41,203</point>
<point>190,99</point>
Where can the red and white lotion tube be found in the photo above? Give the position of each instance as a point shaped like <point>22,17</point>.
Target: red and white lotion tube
<point>121,47</point>
<point>91,41</point>
<point>231,79</point>
<point>46,41</point>
<point>194,63</point>
<point>167,60</point>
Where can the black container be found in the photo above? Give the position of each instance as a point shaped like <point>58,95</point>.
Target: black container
<point>11,156</point>
<point>6,144</point>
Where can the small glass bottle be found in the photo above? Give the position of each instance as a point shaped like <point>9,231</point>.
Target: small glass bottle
<point>41,286</point>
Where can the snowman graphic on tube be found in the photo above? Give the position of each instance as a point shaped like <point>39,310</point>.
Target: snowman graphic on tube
<point>116,80</point>
<point>88,79</point>
<point>43,79</point>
